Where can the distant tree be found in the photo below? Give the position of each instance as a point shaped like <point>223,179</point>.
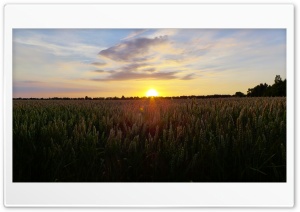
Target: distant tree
<point>279,88</point>
<point>277,79</point>
<point>239,94</point>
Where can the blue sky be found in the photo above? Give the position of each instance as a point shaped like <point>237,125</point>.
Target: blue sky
<point>116,62</point>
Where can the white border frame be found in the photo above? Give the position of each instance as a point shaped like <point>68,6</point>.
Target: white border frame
<point>147,16</point>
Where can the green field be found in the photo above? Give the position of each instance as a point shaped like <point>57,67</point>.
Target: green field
<point>150,140</point>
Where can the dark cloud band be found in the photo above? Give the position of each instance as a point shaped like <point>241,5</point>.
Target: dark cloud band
<point>119,76</point>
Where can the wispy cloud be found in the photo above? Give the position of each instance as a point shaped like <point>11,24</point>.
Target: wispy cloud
<point>30,81</point>
<point>99,64</point>
<point>163,32</point>
<point>189,77</point>
<point>150,70</point>
<point>54,89</point>
<point>99,71</point>
<point>135,33</point>
<point>134,66</point>
<point>73,50</point>
<point>122,75</point>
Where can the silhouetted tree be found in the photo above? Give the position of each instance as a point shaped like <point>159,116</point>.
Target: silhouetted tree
<point>239,94</point>
<point>277,79</point>
<point>258,90</point>
<point>277,89</point>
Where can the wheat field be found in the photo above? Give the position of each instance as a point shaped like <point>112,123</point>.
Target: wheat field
<point>150,140</point>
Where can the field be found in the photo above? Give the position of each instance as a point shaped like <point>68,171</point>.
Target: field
<point>150,140</point>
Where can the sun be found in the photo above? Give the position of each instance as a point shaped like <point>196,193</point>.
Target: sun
<point>151,92</point>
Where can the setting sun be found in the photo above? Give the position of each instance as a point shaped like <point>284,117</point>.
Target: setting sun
<point>152,92</point>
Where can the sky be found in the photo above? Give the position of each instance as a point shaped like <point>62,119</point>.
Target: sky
<point>129,62</point>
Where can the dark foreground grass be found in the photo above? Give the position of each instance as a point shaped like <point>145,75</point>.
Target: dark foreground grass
<point>153,140</point>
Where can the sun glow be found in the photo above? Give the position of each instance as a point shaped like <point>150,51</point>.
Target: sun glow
<point>151,92</point>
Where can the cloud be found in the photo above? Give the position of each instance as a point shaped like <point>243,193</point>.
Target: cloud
<point>189,77</point>
<point>72,50</point>
<point>30,81</point>
<point>122,75</point>
<point>134,50</point>
<point>99,64</point>
<point>133,66</point>
<point>163,32</point>
<point>37,89</point>
<point>146,58</point>
<point>150,70</point>
<point>142,58</point>
<point>135,33</point>
<point>99,71</point>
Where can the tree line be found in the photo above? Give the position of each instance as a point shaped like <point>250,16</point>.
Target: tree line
<point>263,89</point>
<point>130,98</point>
